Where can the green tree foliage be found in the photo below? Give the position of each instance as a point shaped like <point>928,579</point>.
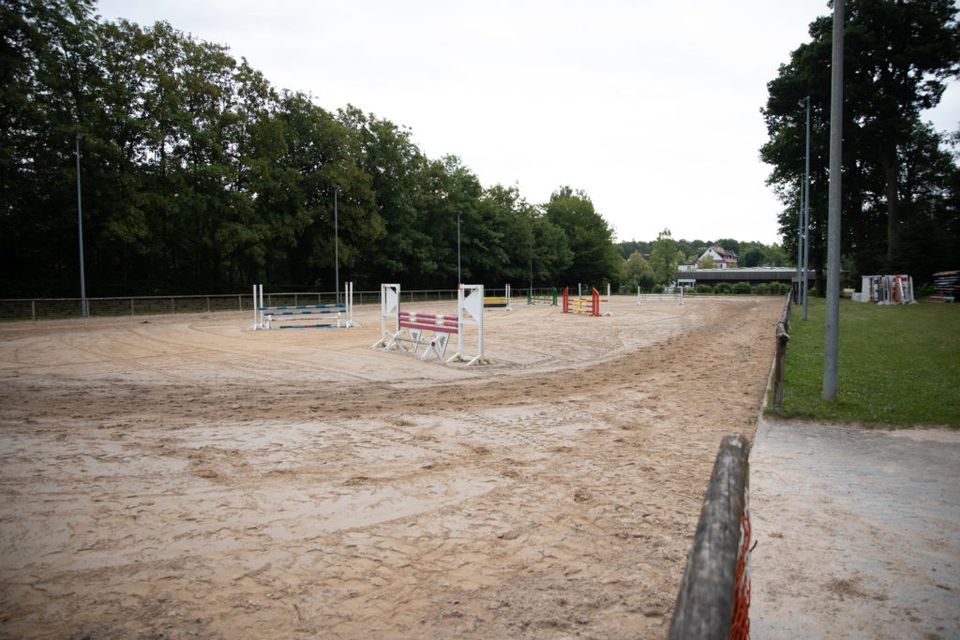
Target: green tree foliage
<point>663,257</point>
<point>637,273</point>
<point>899,182</point>
<point>595,259</point>
<point>199,176</point>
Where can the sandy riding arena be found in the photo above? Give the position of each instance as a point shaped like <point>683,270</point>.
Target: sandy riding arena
<point>181,476</point>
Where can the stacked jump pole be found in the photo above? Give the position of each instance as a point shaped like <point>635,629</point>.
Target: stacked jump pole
<point>302,316</point>
<point>405,330</point>
<point>582,304</point>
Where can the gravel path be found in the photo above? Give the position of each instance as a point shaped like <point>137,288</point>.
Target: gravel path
<point>858,532</point>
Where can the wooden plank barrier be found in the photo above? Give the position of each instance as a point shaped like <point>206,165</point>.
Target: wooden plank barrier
<point>502,302</point>
<point>582,305</point>
<point>545,299</point>
<point>408,327</point>
<point>300,316</point>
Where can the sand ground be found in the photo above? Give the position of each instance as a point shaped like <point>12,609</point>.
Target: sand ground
<point>181,476</point>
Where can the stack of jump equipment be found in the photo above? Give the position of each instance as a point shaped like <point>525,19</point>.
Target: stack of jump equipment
<point>586,306</point>
<point>502,302</point>
<point>408,327</point>
<point>946,286</point>
<point>300,316</point>
<point>888,289</point>
<point>547,299</point>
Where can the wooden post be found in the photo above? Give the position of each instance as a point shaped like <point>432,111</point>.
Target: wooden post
<point>783,337</point>
<point>704,607</point>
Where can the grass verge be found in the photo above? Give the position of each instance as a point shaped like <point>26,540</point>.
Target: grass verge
<point>899,364</point>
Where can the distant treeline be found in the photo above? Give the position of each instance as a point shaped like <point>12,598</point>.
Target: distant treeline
<point>750,254</point>
<point>197,175</point>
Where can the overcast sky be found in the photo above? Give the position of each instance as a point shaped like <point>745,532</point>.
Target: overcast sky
<point>652,108</point>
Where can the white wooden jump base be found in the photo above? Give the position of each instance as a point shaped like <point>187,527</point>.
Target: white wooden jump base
<point>302,316</point>
<point>407,330</point>
<point>672,297</point>
<point>502,302</point>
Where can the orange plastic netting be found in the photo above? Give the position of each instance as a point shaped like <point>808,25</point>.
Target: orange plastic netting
<point>740,626</point>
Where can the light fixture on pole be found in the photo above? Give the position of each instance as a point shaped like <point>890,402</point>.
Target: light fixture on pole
<point>336,245</point>
<point>84,309</point>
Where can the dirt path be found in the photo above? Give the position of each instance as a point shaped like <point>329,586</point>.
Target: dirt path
<point>858,532</point>
<point>184,477</point>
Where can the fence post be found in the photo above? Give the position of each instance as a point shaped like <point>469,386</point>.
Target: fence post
<point>33,309</point>
<point>783,337</point>
<point>132,313</point>
<point>705,604</point>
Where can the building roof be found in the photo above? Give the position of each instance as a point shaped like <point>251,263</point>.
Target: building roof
<point>737,274</point>
<point>726,254</point>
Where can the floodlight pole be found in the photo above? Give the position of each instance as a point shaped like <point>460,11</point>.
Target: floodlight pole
<point>799,297</point>
<point>831,338</point>
<point>84,308</point>
<point>336,245</point>
<point>458,249</point>
<point>806,216</point>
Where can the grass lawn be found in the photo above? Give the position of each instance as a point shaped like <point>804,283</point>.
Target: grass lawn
<point>899,364</point>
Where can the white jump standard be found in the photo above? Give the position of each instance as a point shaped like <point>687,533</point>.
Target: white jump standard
<point>299,316</point>
<point>409,328</point>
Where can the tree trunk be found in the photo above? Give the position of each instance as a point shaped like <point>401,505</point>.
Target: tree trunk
<point>890,167</point>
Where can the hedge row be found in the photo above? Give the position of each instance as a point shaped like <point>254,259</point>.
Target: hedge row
<point>762,289</point>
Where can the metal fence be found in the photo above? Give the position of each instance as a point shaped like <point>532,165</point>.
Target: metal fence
<point>57,308</point>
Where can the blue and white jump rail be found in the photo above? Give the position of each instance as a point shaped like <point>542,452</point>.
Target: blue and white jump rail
<point>411,329</point>
<point>303,316</point>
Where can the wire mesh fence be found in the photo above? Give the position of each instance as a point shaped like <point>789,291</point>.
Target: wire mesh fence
<point>59,308</point>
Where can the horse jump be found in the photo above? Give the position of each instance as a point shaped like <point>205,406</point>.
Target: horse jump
<point>586,306</point>
<point>408,327</point>
<point>298,316</point>
<point>546,299</point>
<point>499,301</point>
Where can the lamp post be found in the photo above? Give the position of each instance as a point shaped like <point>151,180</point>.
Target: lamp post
<point>806,213</point>
<point>799,296</point>
<point>831,330</point>
<point>84,309</point>
<point>458,249</point>
<point>336,245</point>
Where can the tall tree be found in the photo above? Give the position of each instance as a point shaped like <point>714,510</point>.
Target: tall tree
<point>595,259</point>
<point>663,257</point>
<point>897,57</point>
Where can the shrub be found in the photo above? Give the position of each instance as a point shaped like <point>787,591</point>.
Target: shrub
<point>762,289</point>
<point>723,287</point>
<point>704,288</point>
<point>741,288</point>
<point>779,288</point>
